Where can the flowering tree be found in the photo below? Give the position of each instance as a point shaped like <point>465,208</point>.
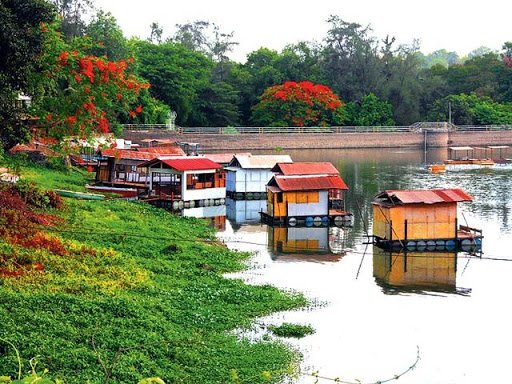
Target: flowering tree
<point>81,93</point>
<point>298,104</point>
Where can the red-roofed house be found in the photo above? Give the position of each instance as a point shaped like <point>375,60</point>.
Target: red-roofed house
<point>429,216</point>
<point>119,166</point>
<point>192,180</point>
<point>309,193</point>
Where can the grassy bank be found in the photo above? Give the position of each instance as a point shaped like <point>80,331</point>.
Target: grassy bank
<point>124,291</point>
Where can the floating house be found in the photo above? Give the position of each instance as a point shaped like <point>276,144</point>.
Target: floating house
<point>178,182</point>
<point>417,219</point>
<point>247,175</point>
<point>416,271</point>
<point>118,167</point>
<point>467,156</point>
<point>310,194</point>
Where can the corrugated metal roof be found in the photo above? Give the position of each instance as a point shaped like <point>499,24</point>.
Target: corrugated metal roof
<point>127,154</point>
<point>169,150</point>
<point>428,196</point>
<point>306,168</point>
<point>261,161</point>
<point>309,183</point>
<point>189,163</point>
<point>224,158</point>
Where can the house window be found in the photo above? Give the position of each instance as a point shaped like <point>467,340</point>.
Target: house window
<point>280,197</point>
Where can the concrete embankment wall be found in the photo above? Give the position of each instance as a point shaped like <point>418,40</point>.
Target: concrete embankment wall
<point>214,142</point>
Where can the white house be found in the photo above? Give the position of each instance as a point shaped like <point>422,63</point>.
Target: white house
<point>187,179</point>
<point>247,175</point>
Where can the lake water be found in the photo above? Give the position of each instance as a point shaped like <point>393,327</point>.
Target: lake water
<point>373,310</point>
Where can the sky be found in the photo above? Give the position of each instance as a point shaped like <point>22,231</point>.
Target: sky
<point>454,25</point>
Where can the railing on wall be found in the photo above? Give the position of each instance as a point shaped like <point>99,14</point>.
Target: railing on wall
<point>417,127</point>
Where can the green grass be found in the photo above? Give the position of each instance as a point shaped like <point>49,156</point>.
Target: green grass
<point>292,330</point>
<point>140,293</point>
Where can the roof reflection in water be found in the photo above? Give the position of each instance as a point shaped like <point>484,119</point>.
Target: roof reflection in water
<point>314,244</point>
<point>416,272</point>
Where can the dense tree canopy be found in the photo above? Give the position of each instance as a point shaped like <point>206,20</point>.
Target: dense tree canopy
<point>21,43</point>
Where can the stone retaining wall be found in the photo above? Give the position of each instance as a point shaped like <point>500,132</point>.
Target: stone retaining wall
<point>241,142</point>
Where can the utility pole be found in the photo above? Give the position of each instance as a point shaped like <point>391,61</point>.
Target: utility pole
<point>450,112</point>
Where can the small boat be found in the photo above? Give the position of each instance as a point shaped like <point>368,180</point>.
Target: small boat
<point>127,193</point>
<point>437,168</point>
<point>79,195</point>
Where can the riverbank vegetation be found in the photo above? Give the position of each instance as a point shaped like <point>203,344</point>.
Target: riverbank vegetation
<point>118,291</point>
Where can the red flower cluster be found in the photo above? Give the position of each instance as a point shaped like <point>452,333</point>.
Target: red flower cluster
<point>298,104</point>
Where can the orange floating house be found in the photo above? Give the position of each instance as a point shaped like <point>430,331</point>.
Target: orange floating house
<point>421,219</point>
<point>306,194</point>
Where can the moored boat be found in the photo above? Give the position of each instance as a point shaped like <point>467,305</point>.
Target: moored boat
<point>128,193</point>
<point>79,195</point>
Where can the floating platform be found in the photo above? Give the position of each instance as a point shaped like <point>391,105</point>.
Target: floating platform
<point>246,195</point>
<point>339,219</point>
<point>467,240</point>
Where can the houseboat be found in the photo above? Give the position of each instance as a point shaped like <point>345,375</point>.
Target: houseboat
<point>178,182</point>
<point>467,156</point>
<point>421,220</point>
<point>248,175</point>
<point>118,167</point>
<point>310,194</point>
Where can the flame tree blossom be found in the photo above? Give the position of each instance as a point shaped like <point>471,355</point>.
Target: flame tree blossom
<point>301,104</point>
<point>83,94</point>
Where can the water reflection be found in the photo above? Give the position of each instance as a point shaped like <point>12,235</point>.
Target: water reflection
<point>215,214</point>
<point>317,244</point>
<point>416,272</point>
<point>244,211</point>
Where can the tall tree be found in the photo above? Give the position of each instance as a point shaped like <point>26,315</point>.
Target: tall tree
<point>107,36</point>
<point>72,14</point>
<point>156,33</point>
<point>351,65</point>
<point>21,42</point>
<point>176,74</point>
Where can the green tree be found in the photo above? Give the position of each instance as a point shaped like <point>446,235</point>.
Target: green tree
<point>175,72</point>
<point>370,111</point>
<point>72,14</point>
<point>350,62</point>
<point>472,110</point>
<point>107,37</point>
<point>21,44</point>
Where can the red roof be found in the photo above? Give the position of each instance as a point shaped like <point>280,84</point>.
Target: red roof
<point>309,183</point>
<point>306,168</point>
<point>425,196</point>
<point>190,163</point>
<point>170,150</point>
<point>127,154</point>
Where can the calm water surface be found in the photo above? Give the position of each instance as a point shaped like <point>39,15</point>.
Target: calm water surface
<point>372,310</point>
